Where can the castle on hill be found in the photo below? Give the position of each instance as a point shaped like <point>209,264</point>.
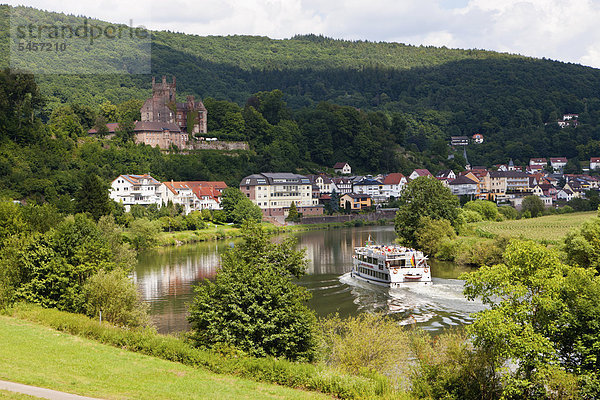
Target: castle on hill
<point>165,123</point>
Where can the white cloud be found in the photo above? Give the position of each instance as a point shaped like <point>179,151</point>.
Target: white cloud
<point>558,29</point>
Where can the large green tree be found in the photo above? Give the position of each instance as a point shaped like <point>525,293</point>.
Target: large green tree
<point>253,304</point>
<point>92,197</point>
<point>423,197</point>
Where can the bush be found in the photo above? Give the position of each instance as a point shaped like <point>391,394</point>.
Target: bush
<point>144,233</point>
<point>115,296</point>
<point>372,342</point>
<point>448,368</point>
<point>471,216</point>
<point>508,212</point>
<point>487,209</point>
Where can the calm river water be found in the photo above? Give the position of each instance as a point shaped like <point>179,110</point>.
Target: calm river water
<point>165,278</point>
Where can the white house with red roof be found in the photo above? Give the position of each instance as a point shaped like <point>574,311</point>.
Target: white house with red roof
<point>542,162</point>
<point>393,184</point>
<point>342,168</point>
<point>135,189</point>
<point>193,195</point>
<point>558,163</point>
<point>419,172</point>
<point>594,163</point>
<point>478,138</point>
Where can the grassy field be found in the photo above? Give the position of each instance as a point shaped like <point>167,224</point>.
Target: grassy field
<point>549,229</point>
<point>35,355</point>
<point>4,395</point>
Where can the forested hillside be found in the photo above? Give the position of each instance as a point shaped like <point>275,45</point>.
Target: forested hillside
<point>381,106</point>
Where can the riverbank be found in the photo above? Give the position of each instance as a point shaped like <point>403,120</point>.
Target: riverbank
<point>104,361</point>
<point>221,232</point>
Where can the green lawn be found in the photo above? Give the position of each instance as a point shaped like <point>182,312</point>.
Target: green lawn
<point>4,395</point>
<point>550,228</point>
<point>38,356</point>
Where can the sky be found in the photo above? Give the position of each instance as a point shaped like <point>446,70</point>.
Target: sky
<point>565,30</point>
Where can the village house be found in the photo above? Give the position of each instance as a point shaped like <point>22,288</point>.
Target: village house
<point>372,187</point>
<point>463,186</point>
<point>569,120</point>
<point>355,201</point>
<point>446,174</point>
<point>393,184</point>
<point>478,138</point>
<point>342,168</point>
<point>275,192</point>
<point>341,185</point>
<point>419,172</point>
<point>594,163</point>
<point>558,164</point>
<point>323,183</point>
<point>565,194</point>
<point>135,189</point>
<point>193,195</point>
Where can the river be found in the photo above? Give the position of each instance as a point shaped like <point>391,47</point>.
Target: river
<point>165,278</point>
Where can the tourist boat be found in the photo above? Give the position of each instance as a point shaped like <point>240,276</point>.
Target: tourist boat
<point>392,265</point>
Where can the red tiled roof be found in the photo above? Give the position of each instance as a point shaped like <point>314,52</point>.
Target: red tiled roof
<point>111,126</point>
<point>393,178</point>
<point>339,165</point>
<point>423,172</point>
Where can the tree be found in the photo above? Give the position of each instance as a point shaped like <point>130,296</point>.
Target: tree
<point>238,207</point>
<point>424,197</point>
<point>542,316</point>
<point>293,213</point>
<point>534,205</point>
<point>334,202</point>
<point>92,197</point>
<point>253,304</point>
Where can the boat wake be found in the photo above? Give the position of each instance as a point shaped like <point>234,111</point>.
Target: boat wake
<point>432,307</point>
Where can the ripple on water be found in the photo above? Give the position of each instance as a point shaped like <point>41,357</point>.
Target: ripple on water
<point>432,307</point>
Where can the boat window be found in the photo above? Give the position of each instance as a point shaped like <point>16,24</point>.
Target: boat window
<point>397,263</point>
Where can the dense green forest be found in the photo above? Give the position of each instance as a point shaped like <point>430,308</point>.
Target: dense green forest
<point>302,103</point>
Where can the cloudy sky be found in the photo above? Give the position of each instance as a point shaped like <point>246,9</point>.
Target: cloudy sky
<point>566,30</point>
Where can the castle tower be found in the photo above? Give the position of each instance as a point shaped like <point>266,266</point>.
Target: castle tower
<point>161,107</point>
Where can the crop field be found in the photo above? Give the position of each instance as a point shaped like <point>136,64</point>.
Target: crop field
<point>548,229</point>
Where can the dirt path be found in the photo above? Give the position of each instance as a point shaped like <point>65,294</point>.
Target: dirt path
<point>40,392</point>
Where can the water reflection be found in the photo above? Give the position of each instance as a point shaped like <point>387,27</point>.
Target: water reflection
<point>165,278</point>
